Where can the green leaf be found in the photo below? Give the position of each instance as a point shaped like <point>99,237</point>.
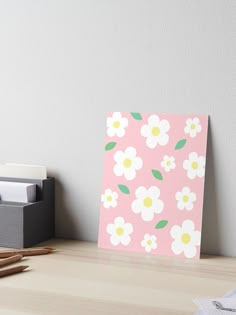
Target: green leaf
<point>161,224</point>
<point>180,144</point>
<point>110,146</point>
<point>136,116</point>
<point>157,174</point>
<point>124,189</point>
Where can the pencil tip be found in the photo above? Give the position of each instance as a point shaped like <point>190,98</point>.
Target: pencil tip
<point>50,248</point>
<point>24,267</point>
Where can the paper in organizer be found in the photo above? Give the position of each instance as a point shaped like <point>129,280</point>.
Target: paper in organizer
<point>17,192</point>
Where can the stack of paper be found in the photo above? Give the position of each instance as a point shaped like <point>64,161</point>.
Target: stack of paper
<point>207,306</point>
<point>17,192</point>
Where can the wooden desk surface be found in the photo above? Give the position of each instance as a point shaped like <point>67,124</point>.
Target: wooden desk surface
<point>81,279</point>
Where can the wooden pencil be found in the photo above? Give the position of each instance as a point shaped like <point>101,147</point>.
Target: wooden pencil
<point>25,252</point>
<point>11,271</point>
<point>10,260</point>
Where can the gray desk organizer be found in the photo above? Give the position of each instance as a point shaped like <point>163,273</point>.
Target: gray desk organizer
<point>26,224</point>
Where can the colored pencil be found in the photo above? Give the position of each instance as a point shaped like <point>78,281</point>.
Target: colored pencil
<point>10,260</point>
<point>25,252</point>
<point>12,271</point>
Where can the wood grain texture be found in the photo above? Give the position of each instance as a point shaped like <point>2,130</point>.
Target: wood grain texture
<point>82,279</point>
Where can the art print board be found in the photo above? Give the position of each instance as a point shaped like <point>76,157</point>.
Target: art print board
<point>153,183</point>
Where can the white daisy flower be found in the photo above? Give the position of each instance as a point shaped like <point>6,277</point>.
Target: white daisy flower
<point>109,198</point>
<point>195,165</point>
<point>185,199</point>
<point>155,131</point>
<point>120,232</point>
<point>149,242</point>
<point>127,163</point>
<point>193,127</point>
<point>168,163</point>
<point>147,202</point>
<point>116,125</point>
<point>185,239</point>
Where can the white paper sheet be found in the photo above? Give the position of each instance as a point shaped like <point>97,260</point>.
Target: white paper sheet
<point>207,308</point>
<point>17,192</point>
<point>23,171</point>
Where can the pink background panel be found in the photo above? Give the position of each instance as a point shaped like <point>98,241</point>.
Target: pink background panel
<point>172,182</point>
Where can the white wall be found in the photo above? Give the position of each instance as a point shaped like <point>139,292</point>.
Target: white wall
<point>65,63</point>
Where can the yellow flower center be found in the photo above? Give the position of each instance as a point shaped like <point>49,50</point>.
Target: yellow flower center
<point>147,202</point>
<point>185,198</point>
<point>194,165</point>
<point>185,238</point>
<point>168,163</point>
<point>116,124</point>
<point>192,126</point>
<point>149,242</point>
<point>127,163</point>
<point>155,131</point>
<point>119,231</point>
<point>109,198</point>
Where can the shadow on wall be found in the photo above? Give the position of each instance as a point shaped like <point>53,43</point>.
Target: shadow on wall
<point>63,217</point>
<point>210,225</point>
